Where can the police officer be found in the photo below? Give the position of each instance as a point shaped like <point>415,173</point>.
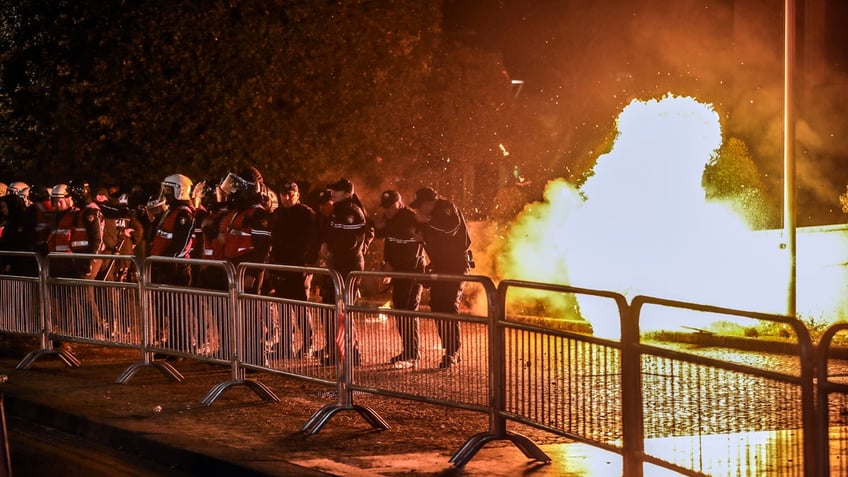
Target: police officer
<point>322,285</point>
<point>20,189</point>
<point>174,230</point>
<point>78,229</point>
<point>84,220</point>
<point>244,231</point>
<point>293,242</point>
<point>214,203</point>
<point>17,236</point>
<point>172,236</point>
<point>444,232</point>
<point>402,252</point>
<point>121,231</point>
<point>348,238</point>
<point>39,217</point>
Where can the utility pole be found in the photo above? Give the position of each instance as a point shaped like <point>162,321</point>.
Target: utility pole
<point>789,205</point>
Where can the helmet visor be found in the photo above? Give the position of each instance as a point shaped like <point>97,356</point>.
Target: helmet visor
<point>233,183</point>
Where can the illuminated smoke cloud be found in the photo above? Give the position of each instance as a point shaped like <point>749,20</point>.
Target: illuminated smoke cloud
<point>641,223</point>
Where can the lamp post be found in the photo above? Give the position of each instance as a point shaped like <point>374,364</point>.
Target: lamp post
<point>789,205</point>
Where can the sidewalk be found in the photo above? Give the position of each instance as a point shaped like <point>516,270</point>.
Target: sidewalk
<point>241,435</point>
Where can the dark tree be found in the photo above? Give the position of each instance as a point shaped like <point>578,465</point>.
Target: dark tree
<point>130,91</point>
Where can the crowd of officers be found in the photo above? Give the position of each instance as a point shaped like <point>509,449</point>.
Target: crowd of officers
<point>240,219</point>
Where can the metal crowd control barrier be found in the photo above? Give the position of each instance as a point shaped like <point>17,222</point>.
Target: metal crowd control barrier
<point>290,336</point>
<point>656,402</point>
<point>832,408</point>
<point>193,322</point>
<point>85,310</point>
<point>375,338</point>
<point>715,412</point>
<point>558,380</point>
<point>357,352</point>
<point>21,310</point>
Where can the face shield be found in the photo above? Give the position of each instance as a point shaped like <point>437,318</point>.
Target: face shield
<point>166,193</point>
<point>233,183</point>
<point>155,206</point>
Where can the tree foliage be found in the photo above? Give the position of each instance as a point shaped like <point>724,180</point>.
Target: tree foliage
<point>129,91</point>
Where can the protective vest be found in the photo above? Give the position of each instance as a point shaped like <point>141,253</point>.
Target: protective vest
<point>164,237</point>
<point>43,221</point>
<point>212,248</point>
<point>70,234</point>
<point>238,239</point>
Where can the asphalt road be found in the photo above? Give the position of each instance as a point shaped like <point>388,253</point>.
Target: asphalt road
<point>37,450</point>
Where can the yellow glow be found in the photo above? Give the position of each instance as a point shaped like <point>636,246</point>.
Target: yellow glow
<point>641,225</point>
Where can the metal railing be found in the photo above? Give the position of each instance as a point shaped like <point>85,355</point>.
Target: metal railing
<point>711,411</point>
<point>832,405</point>
<point>528,356</point>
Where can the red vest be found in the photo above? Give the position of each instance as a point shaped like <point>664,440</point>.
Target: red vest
<point>69,235</point>
<point>164,237</point>
<point>237,240</point>
<point>43,221</point>
<point>212,249</point>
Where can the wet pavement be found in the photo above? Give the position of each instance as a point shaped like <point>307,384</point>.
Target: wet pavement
<point>159,425</point>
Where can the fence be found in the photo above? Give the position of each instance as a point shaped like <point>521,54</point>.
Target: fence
<point>707,410</point>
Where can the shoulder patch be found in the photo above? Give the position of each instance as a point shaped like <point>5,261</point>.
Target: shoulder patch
<point>350,219</point>
<point>89,217</point>
<point>263,223</point>
<point>183,220</point>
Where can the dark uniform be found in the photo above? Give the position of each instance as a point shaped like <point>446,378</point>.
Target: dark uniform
<point>402,252</point>
<point>348,239</point>
<point>322,284</point>
<point>17,236</point>
<point>446,241</point>
<point>39,217</point>
<point>293,242</point>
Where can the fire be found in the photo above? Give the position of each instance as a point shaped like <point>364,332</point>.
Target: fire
<point>641,225</point>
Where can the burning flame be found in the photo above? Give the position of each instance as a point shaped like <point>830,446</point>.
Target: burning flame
<point>641,225</point>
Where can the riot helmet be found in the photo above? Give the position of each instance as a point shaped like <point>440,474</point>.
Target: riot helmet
<point>38,193</point>
<point>18,188</point>
<point>60,196</point>
<point>80,191</point>
<point>175,187</point>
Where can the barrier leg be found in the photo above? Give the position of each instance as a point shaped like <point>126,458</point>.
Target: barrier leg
<point>163,367</point>
<point>476,442</point>
<point>323,415</point>
<point>64,355</point>
<point>258,388</point>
